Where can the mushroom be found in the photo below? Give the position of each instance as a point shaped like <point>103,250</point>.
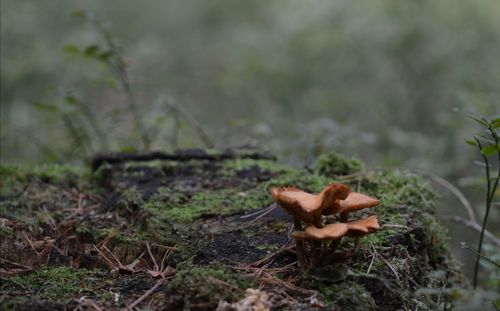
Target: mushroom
<point>362,227</point>
<point>308,207</point>
<point>335,232</point>
<point>355,201</point>
<point>329,232</point>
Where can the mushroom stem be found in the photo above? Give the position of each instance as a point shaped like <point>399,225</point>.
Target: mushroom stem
<point>355,250</point>
<point>297,224</point>
<point>344,217</point>
<point>357,244</point>
<point>326,254</point>
<point>333,245</point>
<point>316,246</point>
<point>299,245</point>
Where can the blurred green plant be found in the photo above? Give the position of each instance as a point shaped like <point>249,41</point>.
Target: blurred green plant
<point>83,125</point>
<point>112,56</point>
<point>487,142</point>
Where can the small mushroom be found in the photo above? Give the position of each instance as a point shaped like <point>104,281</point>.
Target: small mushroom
<point>363,226</point>
<point>315,243</point>
<point>329,232</point>
<point>308,207</point>
<point>360,228</point>
<point>355,201</point>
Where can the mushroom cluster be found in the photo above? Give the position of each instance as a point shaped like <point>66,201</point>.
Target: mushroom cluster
<point>316,241</point>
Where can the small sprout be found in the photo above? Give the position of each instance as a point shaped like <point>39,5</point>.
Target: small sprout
<point>310,209</point>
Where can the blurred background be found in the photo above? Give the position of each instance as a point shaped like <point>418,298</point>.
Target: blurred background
<point>390,82</point>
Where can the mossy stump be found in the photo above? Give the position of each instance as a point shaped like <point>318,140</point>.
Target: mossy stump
<point>214,211</point>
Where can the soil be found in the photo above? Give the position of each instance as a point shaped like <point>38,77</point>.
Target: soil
<point>199,228</point>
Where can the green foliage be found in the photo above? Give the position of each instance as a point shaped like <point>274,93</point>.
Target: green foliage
<point>487,142</point>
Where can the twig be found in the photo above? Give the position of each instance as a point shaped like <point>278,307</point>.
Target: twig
<point>467,246</point>
<point>473,225</point>
<point>264,214</point>
<point>491,185</point>
<point>371,263</point>
<point>15,264</point>
<point>90,302</point>
<point>386,262</point>
<point>272,280</point>
<point>270,207</point>
<point>118,68</point>
<point>31,245</point>
<point>153,257</point>
<point>396,226</point>
<point>272,256</point>
<point>454,190</point>
<point>145,295</point>
<point>186,115</point>
<point>440,294</point>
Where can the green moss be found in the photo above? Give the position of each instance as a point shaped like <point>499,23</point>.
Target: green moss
<point>169,195</point>
<point>333,164</point>
<point>130,198</point>
<point>399,188</point>
<point>175,206</point>
<point>57,283</point>
<point>404,197</point>
<point>335,289</point>
<point>218,202</point>
<point>206,286</point>
<point>438,241</point>
<point>12,176</point>
<point>230,166</point>
<point>13,303</point>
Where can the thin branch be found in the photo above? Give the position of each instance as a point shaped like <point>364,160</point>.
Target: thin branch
<point>385,261</point>
<point>118,68</point>
<point>454,190</point>
<point>473,225</point>
<point>467,246</point>
<point>188,117</point>
<point>145,295</point>
<point>90,302</point>
<point>488,205</point>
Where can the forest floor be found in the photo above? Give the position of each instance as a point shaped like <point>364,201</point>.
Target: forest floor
<point>196,230</point>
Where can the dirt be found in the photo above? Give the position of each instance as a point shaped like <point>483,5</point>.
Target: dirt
<point>74,238</point>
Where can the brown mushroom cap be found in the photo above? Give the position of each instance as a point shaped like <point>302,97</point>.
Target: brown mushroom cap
<point>363,226</point>
<point>356,201</point>
<point>306,206</point>
<point>328,232</point>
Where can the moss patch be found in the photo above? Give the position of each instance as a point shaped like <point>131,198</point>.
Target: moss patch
<point>334,164</point>
<point>13,176</point>
<point>209,210</point>
<point>57,284</point>
<point>203,288</point>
